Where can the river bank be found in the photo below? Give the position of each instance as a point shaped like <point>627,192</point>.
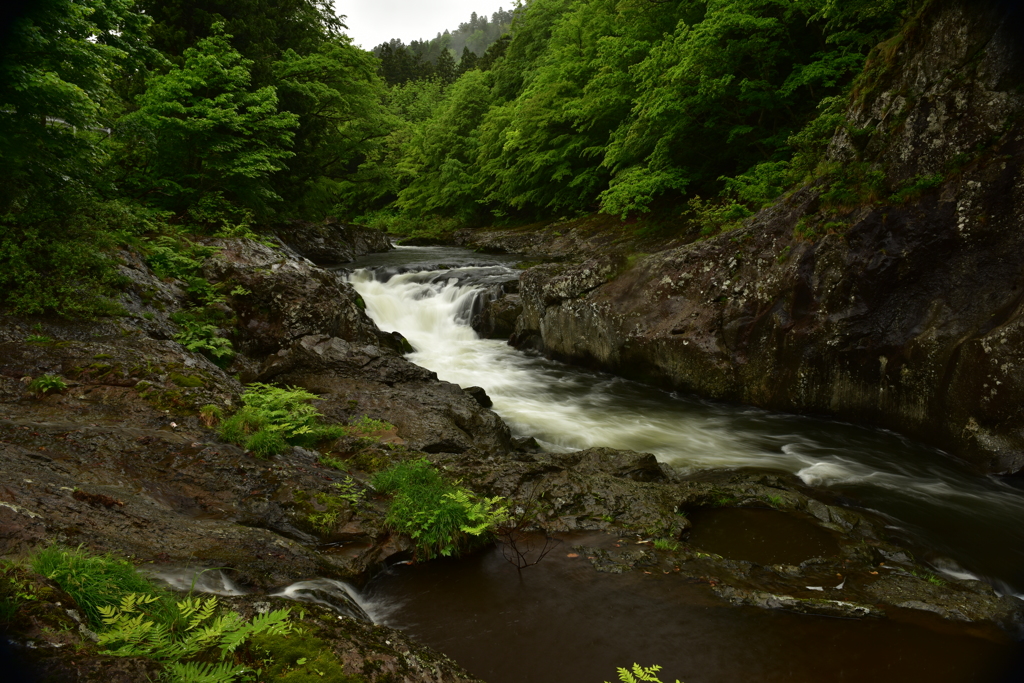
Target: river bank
<point>122,462</point>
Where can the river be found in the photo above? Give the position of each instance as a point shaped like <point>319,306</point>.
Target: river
<point>964,525</point>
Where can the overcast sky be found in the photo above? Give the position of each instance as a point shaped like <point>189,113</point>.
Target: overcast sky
<point>372,22</point>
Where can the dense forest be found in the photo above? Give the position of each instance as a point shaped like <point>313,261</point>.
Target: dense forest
<point>134,122</point>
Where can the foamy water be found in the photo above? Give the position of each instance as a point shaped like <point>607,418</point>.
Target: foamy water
<point>926,493</point>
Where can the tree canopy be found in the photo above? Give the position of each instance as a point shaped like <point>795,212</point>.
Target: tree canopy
<point>122,118</point>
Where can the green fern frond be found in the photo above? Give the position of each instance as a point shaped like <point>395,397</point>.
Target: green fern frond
<point>201,672</point>
<point>640,674</point>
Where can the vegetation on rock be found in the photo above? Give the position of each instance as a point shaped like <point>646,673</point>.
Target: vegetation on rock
<point>272,418</point>
<point>441,518</point>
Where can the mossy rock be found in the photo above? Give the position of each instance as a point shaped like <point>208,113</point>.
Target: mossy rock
<point>192,381</point>
<point>300,658</point>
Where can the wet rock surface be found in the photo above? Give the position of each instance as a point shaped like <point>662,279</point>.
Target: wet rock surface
<point>332,242</point>
<point>905,313</point>
<point>121,461</point>
<point>850,566</point>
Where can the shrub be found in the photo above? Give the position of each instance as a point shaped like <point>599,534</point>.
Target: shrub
<point>349,496</point>
<point>411,225</point>
<point>210,414</point>
<point>94,581</point>
<point>176,257</point>
<point>192,638</point>
<point>440,517</point>
<point>272,418</point>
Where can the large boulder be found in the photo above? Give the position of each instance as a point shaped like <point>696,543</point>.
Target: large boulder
<point>332,242</point>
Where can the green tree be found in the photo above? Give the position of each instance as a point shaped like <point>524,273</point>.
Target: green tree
<point>467,61</point>
<point>57,63</point>
<point>211,143</point>
<point>261,30</point>
<point>342,123</point>
<point>56,67</point>
<point>445,68</point>
<point>721,95</point>
<point>440,157</point>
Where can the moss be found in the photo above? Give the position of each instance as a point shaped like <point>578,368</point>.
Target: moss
<point>174,400</point>
<point>97,371</point>
<point>371,460</point>
<point>187,380</point>
<point>300,658</point>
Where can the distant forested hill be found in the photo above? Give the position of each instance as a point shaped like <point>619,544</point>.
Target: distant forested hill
<point>426,58</point>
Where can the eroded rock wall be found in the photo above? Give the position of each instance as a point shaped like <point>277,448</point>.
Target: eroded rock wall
<point>910,315</point>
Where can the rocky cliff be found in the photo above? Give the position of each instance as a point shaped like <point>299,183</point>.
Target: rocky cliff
<point>899,303</point>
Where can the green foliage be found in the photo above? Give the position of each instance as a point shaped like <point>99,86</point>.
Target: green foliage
<point>205,140</point>
<point>917,186</point>
<point>412,227</point>
<point>57,63</point>
<point>176,257</point>
<point>210,414</point>
<point>95,582</point>
<point>44,384</point>
<point>57,221</point>
<point>273,418</point>
<point>200,337</point>
<point>349,496</point>
<point>54,258</point>
<point>441,518</point>
<point>339,102</point>
<point>300,659</point>
<point>131,630</point>
<point>438,160</point>
<point>369,425</point>
<point>666,544</point>
<point>928,576</point>
<point>626,105</point>
<point>15,590</point>
<point>194,629</point>
<point>191,381</point>
<point>716,215</point>
<point>640,674</point>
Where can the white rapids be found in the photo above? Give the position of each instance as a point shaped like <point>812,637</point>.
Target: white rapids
<point>923,490</point>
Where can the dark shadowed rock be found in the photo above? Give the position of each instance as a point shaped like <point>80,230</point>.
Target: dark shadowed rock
<point>332,241</point>
<point>480,396</point>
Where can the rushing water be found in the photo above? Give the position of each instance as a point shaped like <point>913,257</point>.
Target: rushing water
<point>966,525</point>
<point>973,525</point>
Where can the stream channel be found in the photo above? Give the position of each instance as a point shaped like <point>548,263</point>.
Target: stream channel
<point>562,621</point>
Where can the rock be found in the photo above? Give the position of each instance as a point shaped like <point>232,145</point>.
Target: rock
<point>787,603</point>
<point>279,300</point>
<point>907,314</point>
<point>480,396</point>
<point>497,317</point>
<point>952,599</point>
<point>332,242</point>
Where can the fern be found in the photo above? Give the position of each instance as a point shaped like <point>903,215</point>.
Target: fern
<point>202,672</point>
<point>640,674</point>
<point>196,630</point>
